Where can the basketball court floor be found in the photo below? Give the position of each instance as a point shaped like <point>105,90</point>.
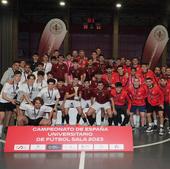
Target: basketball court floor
<point>150,151</point>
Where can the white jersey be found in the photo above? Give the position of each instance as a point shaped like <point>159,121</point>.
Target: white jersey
<point>28,90</point>
<point>35,73</point>
<point>11,90</point>
<point>49,96</point>
<point>23,77</point>
<point>39,85</point>
<point>47,67</point>
<point>33,113</point>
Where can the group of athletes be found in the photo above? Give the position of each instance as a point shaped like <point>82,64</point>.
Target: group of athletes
<point>123,90</point>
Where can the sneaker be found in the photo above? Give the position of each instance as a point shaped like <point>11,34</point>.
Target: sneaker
<point>149,129</point>
<point>161,131</point>
<point>103,123</point>
<point>95,124</point>
<point>85,124</point>
<point>155,127</point>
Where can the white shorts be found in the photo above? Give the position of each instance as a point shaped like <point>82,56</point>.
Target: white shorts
<point>85,103</point>
<point>72,104</point>
<point>97,106</point>
<point>60,103</point>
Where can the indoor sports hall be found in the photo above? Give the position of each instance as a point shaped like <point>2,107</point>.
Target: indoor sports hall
<point>84,84</point>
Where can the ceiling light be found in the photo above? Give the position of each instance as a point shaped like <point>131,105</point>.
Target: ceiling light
<point>62,3</point>
<point>4,2</point>
<point>118,5</point>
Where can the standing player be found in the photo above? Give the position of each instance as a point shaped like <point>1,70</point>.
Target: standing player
<point>60,70</point>
<point>8,99</point>
<point>72,100</point>
<point>27,90</point>
<point>62,90</point>
<point>122,104</point>
<point>138,94</point>
<point>165,87</point>
<point>102,100</point>
<point>50,96</point>
<point>155,102</point>
<point>86,95</point>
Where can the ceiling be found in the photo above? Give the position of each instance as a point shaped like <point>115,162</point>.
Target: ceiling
<point>133,12</point>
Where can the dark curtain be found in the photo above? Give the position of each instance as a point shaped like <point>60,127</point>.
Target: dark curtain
<point>8,35</point>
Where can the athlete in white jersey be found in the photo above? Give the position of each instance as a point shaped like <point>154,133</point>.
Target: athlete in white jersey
<point>50,96</point>
<point>8,99</point>
<point>35,113</point>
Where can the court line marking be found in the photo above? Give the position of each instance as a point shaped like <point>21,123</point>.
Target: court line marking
<point>152,144</point>
<point>2,141</point>
<point>82,160</point>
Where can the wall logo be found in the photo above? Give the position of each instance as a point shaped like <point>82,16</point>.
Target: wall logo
<point>160,33</point>
<point>54,147</point>
<point>21,147</point>
<point>56,27</point>
<point>38,147</point>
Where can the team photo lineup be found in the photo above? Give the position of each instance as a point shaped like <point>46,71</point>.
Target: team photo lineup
<point>125,92</point>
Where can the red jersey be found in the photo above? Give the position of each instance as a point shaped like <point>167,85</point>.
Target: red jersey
<point>59,71</point>
<point>137,95</point>
<point>102,67</point>
<point>108,78</point>
<point>155,96</point>
<point>62,92</point>
<point>121,99</point>
<point>121,78</point>
<point>102,96</point>
<point>83,62</point>
<point>127,69</point>
<point>131,79</point>
<point>70,90</point>
<point>90,72</point>
<point>94,83</point>
<point>166,92</point>
<point>148,74</point>
<point>76,73</point>
<point>86,93</point>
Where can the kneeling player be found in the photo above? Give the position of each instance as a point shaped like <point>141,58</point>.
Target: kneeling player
<point>34,114</point>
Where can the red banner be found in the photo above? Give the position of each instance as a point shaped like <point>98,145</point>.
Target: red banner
<point>69,139</point>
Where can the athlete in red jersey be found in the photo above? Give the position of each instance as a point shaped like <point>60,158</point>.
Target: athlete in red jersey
<point>157,72</point>
<point>77,72</point>
<point>138,94</point>
<point>121,77</point>
<point>155,102</point>
<point>108,76</point>
<point>90,71</point>
<point>60,70</point>
<point>102,100</point>
<point>122,104</point>
<point>147,73</point>
<point>165,87</point>
<point>133,75</point>
<point>72,100</point>
<point>86,95</point>
<point>62,90</point>
<point>135,64</point>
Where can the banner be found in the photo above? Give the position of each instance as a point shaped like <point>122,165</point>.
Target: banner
<point>155,45</point>
<point>69,139</point>
<point>52,36</point>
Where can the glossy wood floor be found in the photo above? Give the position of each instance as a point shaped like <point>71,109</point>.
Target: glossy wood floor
<point>151,157</point>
